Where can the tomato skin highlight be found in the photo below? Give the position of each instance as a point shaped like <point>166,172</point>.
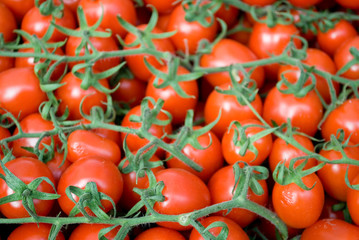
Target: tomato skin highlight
<point>103,172</point>
<point>15,94</point>
<point>184,192</point>
<point>27,169</point>
<point>299,208</point>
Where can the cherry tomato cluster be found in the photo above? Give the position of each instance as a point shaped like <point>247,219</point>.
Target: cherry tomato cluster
<point>179,119</point>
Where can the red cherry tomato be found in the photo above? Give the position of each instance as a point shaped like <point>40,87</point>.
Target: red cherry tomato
<point>210,158</point>
<point>17,86</point>
<point>221,187</point>
<point>265,42</point>
<point>333,175</point>
<point>235,232</point>
<point>6,63</point>
<point>91,231</point>
<point>27,169</point>
<point>230,109</point>
<point>331,40</point>
<point>162,6</point>
<point>348,4</point>
<point>103,172</point>
<point>297,207</point>
<point>33,231</point>
<point>136,62</point>
<point>57,166</point>
<point>263,145</point>
<point>188,34</point>
<point>133,141</point>
<point>71,95</point>
<point>7,23</point>
<point>101,44</point>
<point>191,194</point>
<point>304,113</point>
<point>19,7</point>
<point>160,233</point>
<point>82,144</point>
<point>330,229</point>
<point>129,197</point>
<point>34,23</point>
<point>130,91</point>
<point>342,56</point>
<point>284,152</point>
<point>321,61</point>
<point>172,98</point>
<point>260,3</point>
<point>32,123</point>
<point>343,117</point>
<point>110,9</point>
<point>106,133</point>
<point>228,14</point>
<point>225,53</point>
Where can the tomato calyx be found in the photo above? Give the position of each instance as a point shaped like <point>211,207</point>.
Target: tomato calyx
<point>27,193</point>
<point>203,13</point>
<point>90,198</point>
<point>48,7</point>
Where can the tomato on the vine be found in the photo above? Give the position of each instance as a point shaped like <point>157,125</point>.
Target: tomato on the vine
<point>87,231</point>
<point>130,91</point>
<point>353,201</point>
<point>19,7</point>
<point>297,207</point>
<point>26,169</point>
<point>7,23</point>
<point>343,56</point>
<point>221,187</point>
<point>33,231</point>
<point>160,233</point>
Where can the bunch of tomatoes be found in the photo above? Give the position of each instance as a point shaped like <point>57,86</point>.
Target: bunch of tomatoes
<point>179,119</point>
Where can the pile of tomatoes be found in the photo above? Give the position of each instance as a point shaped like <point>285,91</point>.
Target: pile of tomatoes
<point>170,119</point>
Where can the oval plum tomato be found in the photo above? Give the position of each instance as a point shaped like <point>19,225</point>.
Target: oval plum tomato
<point>188,34</point>
<point>191,194</point>
<point>265,42</point>
<point>33,231</point>
<point>19,7</point>
<point>133,141</point>
<point>101,44</point>
<point>34,23</point>
<point>26,169</point>
<point>342,56</point>
<point>333,175</point>
<point>284,152</point>
<point>235,232</point>
<point>103,172</point>
<point>343,117</point>
<point>71,95</point>
<point>86,231</point>
<point>263,145</point>
<point>130,91</point>
<point>6,63</point>
<point>304,3</point>
<point>29,62</point>
<point>129,197</point>
<point>136,63</point>
<point>172,98</point>
<point>225,53</point>
<point>304,113</point>
<point>348,4</point>
<point>330,229</point>
<point>230,109</point>
<point>32,123</point>
<point>228,14</point>
<point>297,207</point>
<point>57,166</point>
<point>331,40</point>
<point>17,87</point>
<point>7,23</point>
<point>260,3</point>
<point>83,144</point>
<point>124,8</point>
<point>353,201</point>
<point>321,61</point>
<point>221,187</point>
<point>210,158</point>
<point>160,233</point>
<point>162,6</point>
